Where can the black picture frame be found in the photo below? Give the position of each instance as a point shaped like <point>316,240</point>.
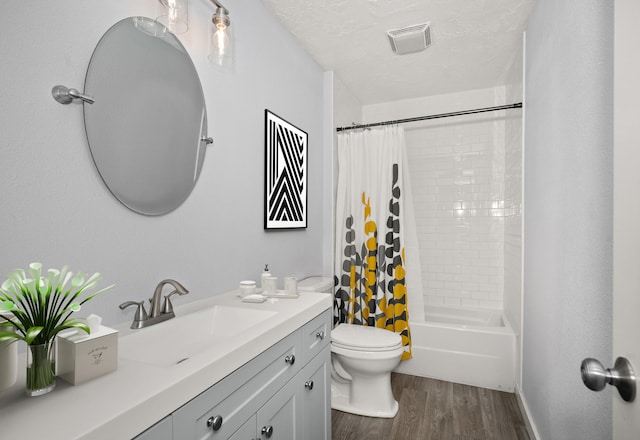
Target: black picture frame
<point>285,175</point>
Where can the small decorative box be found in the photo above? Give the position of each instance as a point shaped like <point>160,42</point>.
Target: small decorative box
<point>83,357</point>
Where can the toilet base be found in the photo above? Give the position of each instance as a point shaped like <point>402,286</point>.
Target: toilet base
<point>340,401</point>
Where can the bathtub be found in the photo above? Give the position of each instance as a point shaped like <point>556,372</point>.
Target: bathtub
<point>463,345</point>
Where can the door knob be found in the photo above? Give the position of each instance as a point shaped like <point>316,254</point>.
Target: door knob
<point>267,431</point>
<point>621,376</point>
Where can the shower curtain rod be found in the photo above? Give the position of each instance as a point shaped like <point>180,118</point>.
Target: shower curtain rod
<point>441,115</point>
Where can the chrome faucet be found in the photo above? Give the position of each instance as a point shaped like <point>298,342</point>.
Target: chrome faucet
<point>157,297</point>
<point>159,313</point>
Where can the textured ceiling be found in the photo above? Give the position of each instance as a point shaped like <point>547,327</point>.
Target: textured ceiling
<point>473,42</point>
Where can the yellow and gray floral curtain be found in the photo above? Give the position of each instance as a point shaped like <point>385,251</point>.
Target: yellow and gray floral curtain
<point>370,272</point>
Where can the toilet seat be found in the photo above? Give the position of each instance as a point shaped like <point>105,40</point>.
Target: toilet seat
<point>364,338</point>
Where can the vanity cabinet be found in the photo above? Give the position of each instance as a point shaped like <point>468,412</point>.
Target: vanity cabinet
<point>163,430</point>
<point>283,393</point>
<point>300,410</point>
<point>271,371</point>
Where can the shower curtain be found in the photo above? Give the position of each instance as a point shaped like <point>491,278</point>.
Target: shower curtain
<point>371,220</point>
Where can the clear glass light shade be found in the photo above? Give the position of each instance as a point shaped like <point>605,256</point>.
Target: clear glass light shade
<point>175,15</point>
<point>221,46</point>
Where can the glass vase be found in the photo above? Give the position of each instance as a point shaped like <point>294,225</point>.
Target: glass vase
<point>41,365</point>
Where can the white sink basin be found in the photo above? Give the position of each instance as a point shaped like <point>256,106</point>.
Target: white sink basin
<point>175,341</point>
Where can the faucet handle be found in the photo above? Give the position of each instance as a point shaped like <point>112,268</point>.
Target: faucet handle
<point>141,312</point>
<point>167,307</point>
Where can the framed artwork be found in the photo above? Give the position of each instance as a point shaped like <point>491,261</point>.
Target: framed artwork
<point>285,184</point>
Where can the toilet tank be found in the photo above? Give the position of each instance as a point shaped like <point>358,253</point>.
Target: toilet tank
<point>316,284</point>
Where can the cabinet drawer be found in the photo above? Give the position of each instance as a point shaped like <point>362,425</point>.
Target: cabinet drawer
<point>240,394</point>
<point>316,334</point>
<point>246,431</point>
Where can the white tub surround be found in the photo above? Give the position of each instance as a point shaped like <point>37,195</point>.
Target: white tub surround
<point>124,403</point>
<point>463,345</point>
<point>464,316</point>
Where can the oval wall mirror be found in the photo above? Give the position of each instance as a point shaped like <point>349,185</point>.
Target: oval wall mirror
<point>147,129</point>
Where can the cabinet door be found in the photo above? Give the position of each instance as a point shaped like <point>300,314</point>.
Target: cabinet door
<point>281,417</point>
<point>163,430</point>
<point>246,431</point>
<point>316,403</point>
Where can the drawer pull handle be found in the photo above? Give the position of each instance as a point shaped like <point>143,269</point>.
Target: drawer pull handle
<point>214,423</point>
<point>267,431</point>
<point>291,359</point>
<point>320,335</point>
<point>308,385</point>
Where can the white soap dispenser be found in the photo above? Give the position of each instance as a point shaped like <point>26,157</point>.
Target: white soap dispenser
<point>264,276</point>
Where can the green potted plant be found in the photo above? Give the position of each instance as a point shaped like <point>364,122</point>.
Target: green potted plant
<point>37,307</point>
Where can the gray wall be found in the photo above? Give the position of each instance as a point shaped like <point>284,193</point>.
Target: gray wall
<point>55,208</point>
<point>568,215</point>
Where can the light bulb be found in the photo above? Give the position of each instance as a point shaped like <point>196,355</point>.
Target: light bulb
<point>221,51</point>
<point>221,41</point>
<point>173,12</point>
<point>176,17</point>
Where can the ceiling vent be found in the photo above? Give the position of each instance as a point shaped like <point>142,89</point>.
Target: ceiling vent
<point>410,39</point>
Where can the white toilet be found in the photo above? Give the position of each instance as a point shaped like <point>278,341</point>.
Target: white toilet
<point>362,360</point>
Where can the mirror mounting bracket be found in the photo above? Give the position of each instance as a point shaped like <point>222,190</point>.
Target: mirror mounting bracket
<point>66,95</point>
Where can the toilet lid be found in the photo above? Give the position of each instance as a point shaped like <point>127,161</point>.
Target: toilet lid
<point>365,338</point>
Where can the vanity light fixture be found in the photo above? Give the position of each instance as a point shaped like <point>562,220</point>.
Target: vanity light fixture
<point>176,18</point>
<point>221,39</point>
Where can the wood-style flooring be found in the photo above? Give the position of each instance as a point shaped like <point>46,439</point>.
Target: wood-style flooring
<point>435,410</point>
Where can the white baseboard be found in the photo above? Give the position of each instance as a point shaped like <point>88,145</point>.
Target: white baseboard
<point>524,409</point>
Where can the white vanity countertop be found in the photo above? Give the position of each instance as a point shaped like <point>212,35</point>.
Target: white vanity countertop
<point>122,404</point>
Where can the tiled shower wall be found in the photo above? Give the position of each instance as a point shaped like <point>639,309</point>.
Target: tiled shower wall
<point>513,198</point>
<point>512,304</point>
<point>457,172</point>
<point>466,179</point>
